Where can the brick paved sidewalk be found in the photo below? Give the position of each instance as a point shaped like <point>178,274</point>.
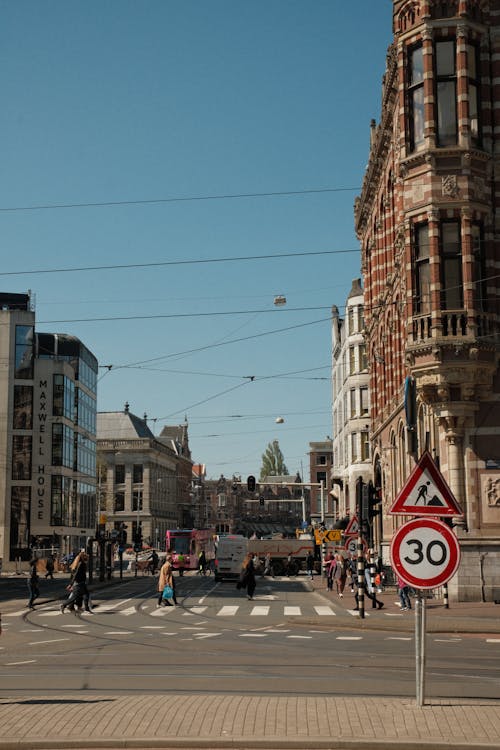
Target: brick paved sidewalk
<point>239,721</point>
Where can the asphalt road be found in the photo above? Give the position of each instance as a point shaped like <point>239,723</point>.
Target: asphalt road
<point>286,641</point>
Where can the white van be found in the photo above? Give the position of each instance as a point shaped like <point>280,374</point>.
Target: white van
<point>231,552</point>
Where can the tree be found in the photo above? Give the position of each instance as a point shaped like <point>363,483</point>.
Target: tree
<point>273,462</point>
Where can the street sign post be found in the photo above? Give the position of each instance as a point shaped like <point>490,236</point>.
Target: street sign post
<point>425,553</point>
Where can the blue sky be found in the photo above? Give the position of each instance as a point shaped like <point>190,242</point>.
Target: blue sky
<point>132,105</point>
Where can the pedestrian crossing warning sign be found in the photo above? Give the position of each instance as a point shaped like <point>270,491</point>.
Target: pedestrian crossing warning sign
<point>426,493</point>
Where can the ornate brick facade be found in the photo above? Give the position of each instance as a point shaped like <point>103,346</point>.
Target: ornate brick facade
<point>428,221</point>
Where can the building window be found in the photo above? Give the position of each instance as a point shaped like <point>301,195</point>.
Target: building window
<point>21,457</point>
<point>350,317</point>
<point>422,269</point>
<point>120,474</point>
<point>363,392</point>
<point>20,506</point>
<point>136,500</point>
<point>24,353</point>
<point>446,92</point>
<point>352,360</point>
<point>137,474</point>
<point>363,359</point>
<point>321,460</point>
<point>451,266</point>
<point>60,501</point>
<point>365,446</point>
<point>63,447</point>
<point>354,447</point>
<point>480,285</point>
<point>221,500</point>
<point>416,97</point>
<point>474,93</point>
<point>119,504</point>
<point>353,403</point>
<point>23,407</point>
<point>64,397</point>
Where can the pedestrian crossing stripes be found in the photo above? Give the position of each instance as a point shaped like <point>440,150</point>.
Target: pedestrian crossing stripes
<point>256,610</point>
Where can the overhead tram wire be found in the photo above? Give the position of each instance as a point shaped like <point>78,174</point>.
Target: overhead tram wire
<point>192,261</point>
<point>177,199</point>
<point>215,313</point>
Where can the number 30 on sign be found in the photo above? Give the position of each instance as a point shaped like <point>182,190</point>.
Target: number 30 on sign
<point>425,553</point>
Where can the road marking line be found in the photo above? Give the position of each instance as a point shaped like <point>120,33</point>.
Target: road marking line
<point>54,640</point>
<point>349,637</point>
<point>15,663</point>
<point>253,635</point>
<point>303,637</point>
<point>200,636</point>
<point>291,611</point>
<point>197,610</point>
<point>162,611</point>
<point>493,640</point>
<point>191,627</point>
<point>82,632</point>
<point>227,611</point>
<point>16,614</point>
<point>324,611</point>
<point>397,638</point>
<point>259,611</point>
<point>151,627</point>
<point>128,611</point>
<point>276,630</point>
<point>32,630</point>
<point>118,632</point>
<point>446,640</point>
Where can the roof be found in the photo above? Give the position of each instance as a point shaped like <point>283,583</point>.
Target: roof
<point>119,424</point>
<point>282,479</point>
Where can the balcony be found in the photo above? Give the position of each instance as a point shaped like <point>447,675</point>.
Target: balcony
<point>453,324</point>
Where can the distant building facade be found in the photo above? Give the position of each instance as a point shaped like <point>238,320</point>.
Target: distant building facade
<point>350,403</point>
<point>428,221</point>
<point>47,436</point>
<point>323,505</point>
<point>137,478</point>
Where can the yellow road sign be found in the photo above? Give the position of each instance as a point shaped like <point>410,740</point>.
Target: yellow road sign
<point>329,535</point>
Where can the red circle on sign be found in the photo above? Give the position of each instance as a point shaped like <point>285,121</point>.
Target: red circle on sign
<point>411,565</point>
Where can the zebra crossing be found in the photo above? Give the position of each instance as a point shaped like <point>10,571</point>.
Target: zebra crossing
<point>125,609</point>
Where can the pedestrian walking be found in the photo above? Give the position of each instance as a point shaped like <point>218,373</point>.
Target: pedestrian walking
<point>352,572</point>
<point>33,582</point>
<point>166,579</point>
<point>404,594</point>
<point>202,563</point>
<point>247,576</point>
<point>153,562</point>
<point>268,566</point>
<point>328,567</point>
<point>339,574</point>
<point>310,564</point>
<point>79,593</point>
<point>49,567</point>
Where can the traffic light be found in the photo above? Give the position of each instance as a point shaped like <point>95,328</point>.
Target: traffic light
<point>138,539</point>
<point>251,483</point>
<point>261,500</point>
<point>122,535</point>
<point>374,501</point>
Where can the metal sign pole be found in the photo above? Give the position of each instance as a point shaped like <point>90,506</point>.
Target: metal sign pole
<point>420,650</point>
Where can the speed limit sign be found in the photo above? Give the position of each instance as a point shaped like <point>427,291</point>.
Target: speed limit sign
<point>425,553</point>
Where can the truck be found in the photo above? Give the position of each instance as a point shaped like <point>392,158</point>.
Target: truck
<point>232,549</point>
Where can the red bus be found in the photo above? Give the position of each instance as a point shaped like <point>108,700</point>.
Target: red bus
<point>189,543</point>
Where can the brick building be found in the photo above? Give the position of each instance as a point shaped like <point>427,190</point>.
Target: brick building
<point>428,222</point>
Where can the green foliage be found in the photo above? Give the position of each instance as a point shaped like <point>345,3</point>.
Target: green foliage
<point>273,462</point>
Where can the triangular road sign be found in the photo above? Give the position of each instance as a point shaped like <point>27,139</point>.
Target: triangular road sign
<point>426,492</point>
<point>352,527</point>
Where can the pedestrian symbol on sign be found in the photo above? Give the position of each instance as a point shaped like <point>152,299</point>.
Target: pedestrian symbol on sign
<point>426,492</point>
